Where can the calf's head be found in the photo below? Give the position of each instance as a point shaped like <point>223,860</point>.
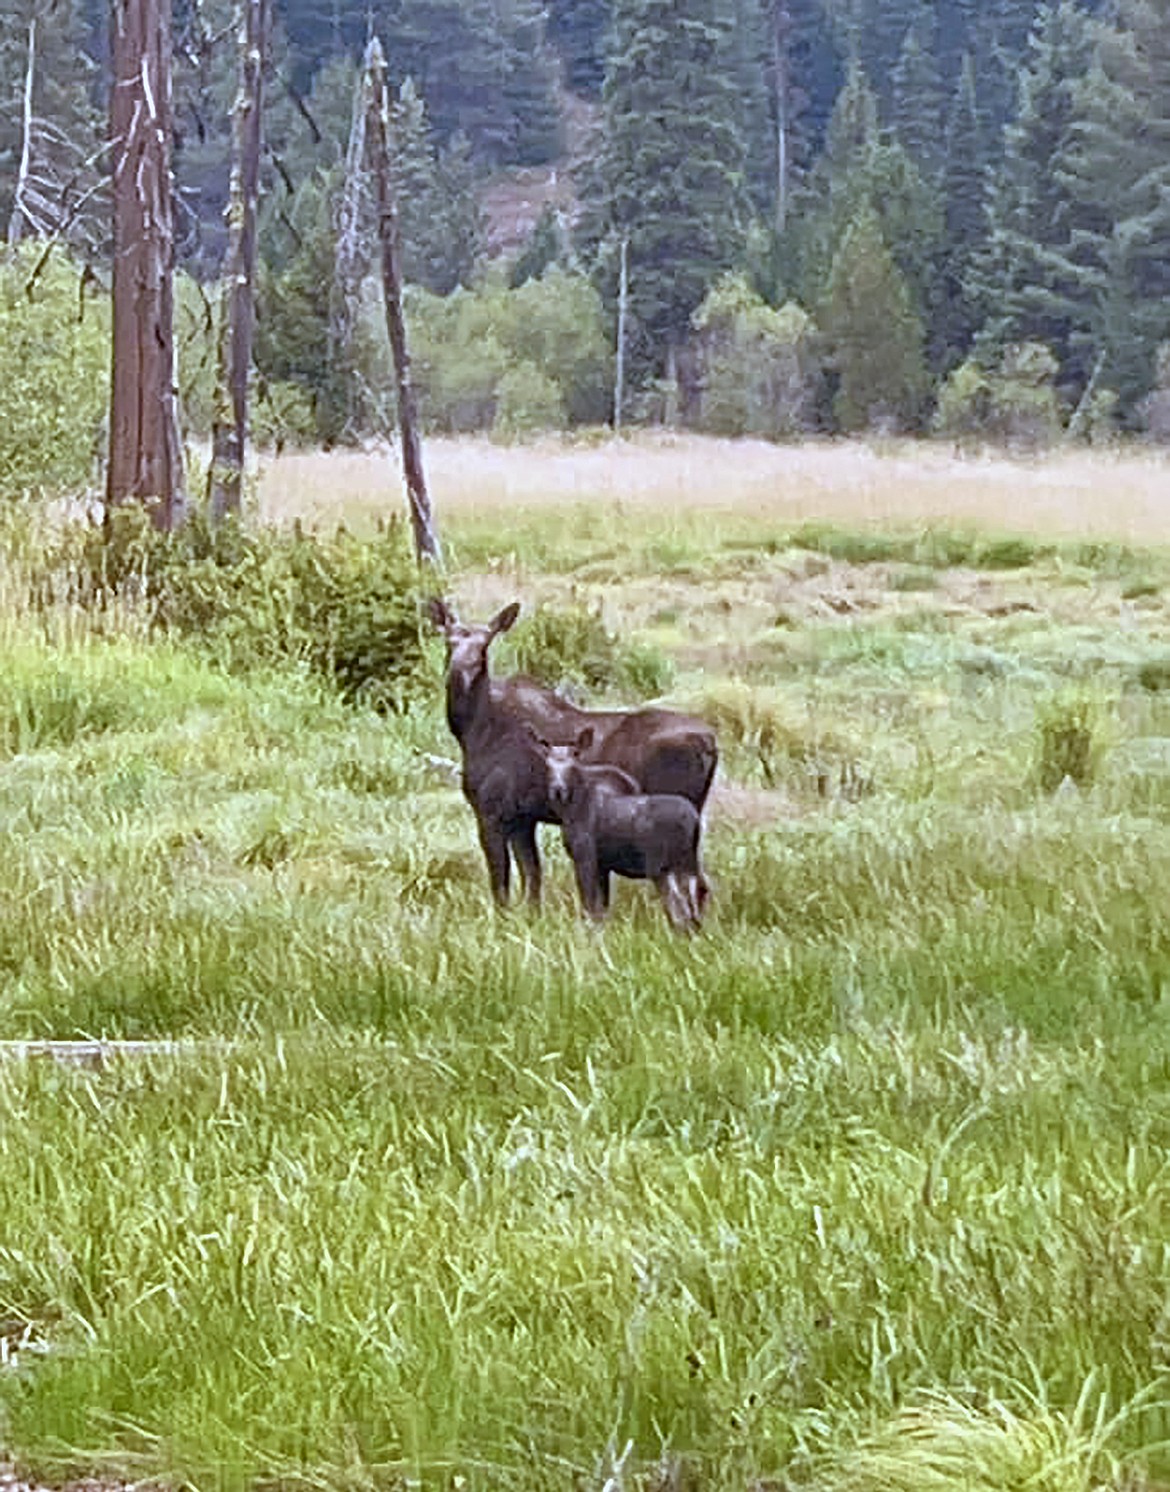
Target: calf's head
<point>564,775</point>
<point>467,644</point>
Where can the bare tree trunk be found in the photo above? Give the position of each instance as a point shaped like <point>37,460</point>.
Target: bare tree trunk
<point>354,238</point>
<point>16,221</point>
<point>146,463</point>
<point>782,83</point>
<point>229,431</point>
<point>619,382</point>
<point>426,539</point>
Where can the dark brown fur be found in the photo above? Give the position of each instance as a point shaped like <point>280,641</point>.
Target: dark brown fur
<point>664,751</point>
<point>504,774</point>
<point>504,777</point>
<point>610,828</point>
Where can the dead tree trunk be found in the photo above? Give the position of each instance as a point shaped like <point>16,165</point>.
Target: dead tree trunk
<point>619,381</point>
<point>426,539</point>
<point>782,85</point>
<point>16,221</point>
<point>229,430</point>
<point>146,463</point>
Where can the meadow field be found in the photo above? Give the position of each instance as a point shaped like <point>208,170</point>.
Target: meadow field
<point>866,1187</point>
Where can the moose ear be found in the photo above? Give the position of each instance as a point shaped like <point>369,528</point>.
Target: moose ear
<point>441,615</point>
<point>505,619</point>
<point>586,738</point>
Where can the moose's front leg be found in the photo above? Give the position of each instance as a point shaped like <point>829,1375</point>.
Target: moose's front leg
<point>495,849</point>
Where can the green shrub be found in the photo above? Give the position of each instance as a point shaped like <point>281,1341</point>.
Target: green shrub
<point>56,376</point>
<point>1014,401</point>
<point>1068,748</point>
<point>480,356</point>
<point>760,368</point>
<point>346,608</point>
<point>1154,674</point>
<point>1008,554</point>
<point>527,401</point>
<point>964,403</point>
<point>572,644</point>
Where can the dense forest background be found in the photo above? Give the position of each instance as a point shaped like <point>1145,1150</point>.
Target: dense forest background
<point>837,214</point>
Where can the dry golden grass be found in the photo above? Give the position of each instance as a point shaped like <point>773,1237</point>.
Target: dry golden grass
<point>1121,495</point>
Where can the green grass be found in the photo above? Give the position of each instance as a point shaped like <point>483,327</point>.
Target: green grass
<point>865,1187</point>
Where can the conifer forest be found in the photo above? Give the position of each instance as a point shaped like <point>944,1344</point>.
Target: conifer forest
<point>836,215</point>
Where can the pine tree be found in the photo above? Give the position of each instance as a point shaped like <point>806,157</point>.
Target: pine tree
<point>875,336</point>
<point>919,105</point>
<point>751,60</point>
<point>670,169</point>
<point>1117,174</point>
<point>530,88</point>
<point>1019,280</point>
<point>860,170</point>
<point>955,316</point>
<point>578,28</point>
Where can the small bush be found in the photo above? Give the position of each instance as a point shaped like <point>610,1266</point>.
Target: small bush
<point>1068,748</point>
<point>760,368</point>
<point>1155,407</point>
<point>56,377</point>
<point>527,401</point>
<point>343,607</point>
<point>1154,674</point>
<point>1013,402</point>
<point>1007,554</point>
<point>573,645</point>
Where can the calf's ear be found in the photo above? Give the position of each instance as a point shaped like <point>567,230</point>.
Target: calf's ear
<point>586,738</point>
<point>505,619</point>
<point>441,615</point>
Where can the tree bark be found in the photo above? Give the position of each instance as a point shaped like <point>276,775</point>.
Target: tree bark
<point>229,431</point>
<point>426,539</point>
<point>146,463</point>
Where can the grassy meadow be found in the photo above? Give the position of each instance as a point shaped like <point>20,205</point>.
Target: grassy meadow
<point>866,1187</point>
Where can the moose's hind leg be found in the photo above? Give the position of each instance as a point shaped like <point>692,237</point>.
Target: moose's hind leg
<point>679,898</point>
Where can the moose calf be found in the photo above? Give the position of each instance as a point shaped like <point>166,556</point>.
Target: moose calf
<point>610,828</point>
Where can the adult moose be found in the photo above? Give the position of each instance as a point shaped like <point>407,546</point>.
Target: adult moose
<point>504,773</point>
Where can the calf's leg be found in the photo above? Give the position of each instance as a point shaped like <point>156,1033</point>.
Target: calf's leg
<point>592,882</point>
<point>528,859</point>
<point>674,889</point>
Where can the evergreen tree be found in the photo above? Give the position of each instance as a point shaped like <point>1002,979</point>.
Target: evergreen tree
<point>578,29</point>
<point>1019,280</point>
<point>670,169</point>
<point>875,336</point>
<point>428,208</point>
<point>530,88</point>
<point>750,57</point>
<point>954,314</point>
<point>294,341</point>
<point>546,246</point>
<point>919,106</point>
<point>1117,174</point>
<point>860,171</point>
